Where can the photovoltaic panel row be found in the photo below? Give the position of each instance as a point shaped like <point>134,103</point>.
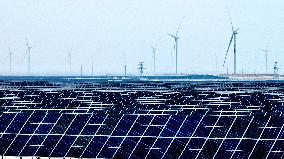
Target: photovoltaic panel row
<point>153,120</point>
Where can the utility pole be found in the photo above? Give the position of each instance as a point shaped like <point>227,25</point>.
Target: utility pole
<point>141,67</point>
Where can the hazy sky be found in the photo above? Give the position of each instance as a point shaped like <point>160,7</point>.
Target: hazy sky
<point>100,31</point>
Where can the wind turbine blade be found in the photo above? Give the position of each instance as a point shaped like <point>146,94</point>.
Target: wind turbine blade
<point>230,18</point>
<point>172,35</point>
<point>179,26</point>
<point>158,41</point>
<point>178,29</point>
<point>69,53</point>
<point>26,53</point>
<point>267,47</point>
<point>27,42</point>
<point>230,42</point>
<point>228,49</point>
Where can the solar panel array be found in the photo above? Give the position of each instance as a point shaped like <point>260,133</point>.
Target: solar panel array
<point>138,119</point>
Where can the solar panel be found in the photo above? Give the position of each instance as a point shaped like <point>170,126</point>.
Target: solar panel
<point>138,119</point>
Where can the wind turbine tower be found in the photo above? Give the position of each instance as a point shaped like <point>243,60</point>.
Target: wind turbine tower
<point>154,57</point>
<point>69,61</point>
<point>265,54</point>
<point>124,63</point>
<point>125,70</point>
<point>81,72</point>
<point>92,69</point>
<point>10,54</point>
<point>234,40</point>
<point>176,38</point>
<point>29,55</point>
<point>154,50</point>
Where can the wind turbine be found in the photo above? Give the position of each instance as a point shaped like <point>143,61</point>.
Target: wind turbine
<point>265,54</point>
<point>176,38</point>
<point>29,55</point>
<point>154,49</point>
<point>10,54</point>
<point>233,39</point>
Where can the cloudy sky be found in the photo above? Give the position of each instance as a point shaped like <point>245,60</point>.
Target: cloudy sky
<point>109,33</point>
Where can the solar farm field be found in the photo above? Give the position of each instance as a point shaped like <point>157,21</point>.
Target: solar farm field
<point>141,119</point>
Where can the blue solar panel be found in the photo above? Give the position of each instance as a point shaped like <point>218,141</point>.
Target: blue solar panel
<point>99,146</point>
<point>32,145</point>
<point>5,119</point>
<point>63,146</point>
<point>51,141</point>
<point>142,119</point>
<point>16,145</point>
<point>78,124</point>
<point>17,123</point>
